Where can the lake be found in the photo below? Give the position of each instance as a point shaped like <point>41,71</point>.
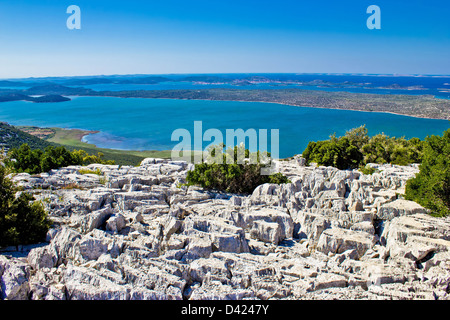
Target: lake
<point>147,124</point>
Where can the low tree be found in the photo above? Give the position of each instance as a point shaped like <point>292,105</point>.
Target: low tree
<point>431,186</point>
<point>235,173</point>
<point>84,158</point>
<point>355,149</point>
<point>24,159</point>
<point>22,221</point>
<point>336,152</point>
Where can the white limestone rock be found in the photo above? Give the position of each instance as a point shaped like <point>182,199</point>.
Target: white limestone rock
<point>338,240</point>
<point>398,208</point>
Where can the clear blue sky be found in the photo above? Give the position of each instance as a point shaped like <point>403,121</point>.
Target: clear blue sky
<point>198,36</point>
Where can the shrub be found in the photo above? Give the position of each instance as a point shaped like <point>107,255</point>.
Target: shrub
<point>367,170</point>
<point>356,149</point>
<point>383,149</point>
<point>431,186</point>
<point>58,157</point>
<point>336,152</point>
<point>21,220</point>
<point>232,175</point>
<point>89,171</point>
<point>85,158</point>
<point>24,159</point>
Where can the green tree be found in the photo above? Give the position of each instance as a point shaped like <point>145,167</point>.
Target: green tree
<point>24,159</point>
<point>83,158</point>
<point>431,186</point>
<point>22,221</point>
<point>336,152</point>
<point>358,137</point>
<point>355,149</point>
<point>234,174</point>
<point>58,157</point>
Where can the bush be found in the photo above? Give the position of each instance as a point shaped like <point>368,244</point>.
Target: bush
<point>431,186</point>
<point>232,175</point>
<point>24,159</point>
<point>356,149</point>
<point>84,158</point>
<point>21,220</point>
<point>384,149</point>
<point>336,152</point>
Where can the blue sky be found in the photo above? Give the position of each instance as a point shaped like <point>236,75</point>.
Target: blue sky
<point>246,36</point>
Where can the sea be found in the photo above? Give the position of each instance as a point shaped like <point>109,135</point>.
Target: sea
<point>148,124</point>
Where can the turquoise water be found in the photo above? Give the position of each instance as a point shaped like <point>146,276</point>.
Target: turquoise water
<point>147,124</point>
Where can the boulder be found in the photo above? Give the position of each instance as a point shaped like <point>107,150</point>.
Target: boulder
<point>95,219</point>
<point>43,257</point>
<point>398,208</point>
<point>266,231</point>
<point>268,214</point>
<point>356,206</point>
<point>329,280</point>
<point>312,225</point>
<point>171,225</point>
<point>86,284</point>
<point>198,248</point>
<point>222,233</point>
<point>64,242</point>
<point>115,223</point>
<point>90,248</point>
<point>338,240</point>
<point>416,235</point>
<point>14,279</point>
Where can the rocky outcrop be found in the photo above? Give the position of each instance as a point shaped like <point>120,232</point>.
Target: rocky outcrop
<point>135,233</point>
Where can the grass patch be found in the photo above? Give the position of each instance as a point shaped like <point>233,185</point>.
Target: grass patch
<point>71,139</point>
<point>88,171</point>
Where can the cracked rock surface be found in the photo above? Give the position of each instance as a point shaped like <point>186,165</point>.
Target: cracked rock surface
<point>135,233</point>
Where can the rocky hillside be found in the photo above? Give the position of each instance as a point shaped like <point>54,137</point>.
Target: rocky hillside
<point>134,233</point>
<point>11,137</point>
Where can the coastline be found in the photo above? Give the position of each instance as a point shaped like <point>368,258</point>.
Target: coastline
<point>122,94</point>
<point>280,103</point>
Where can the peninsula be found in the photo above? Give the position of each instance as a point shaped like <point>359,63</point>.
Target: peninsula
<point>389,95</point>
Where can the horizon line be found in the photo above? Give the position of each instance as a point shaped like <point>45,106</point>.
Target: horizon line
<point>240,73</point>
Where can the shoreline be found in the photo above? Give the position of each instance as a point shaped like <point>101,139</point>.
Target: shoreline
<point>280,103</point>
<point>77,137</point>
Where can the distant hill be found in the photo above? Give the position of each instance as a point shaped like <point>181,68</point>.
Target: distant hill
<point>56,89</point>
<point>5,97</point>
<point>7,83</point>
<point>207,79</point>
<point>11,137</point>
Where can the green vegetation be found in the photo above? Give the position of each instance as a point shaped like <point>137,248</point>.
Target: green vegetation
<point>431,186</point>
<point>234,174</point>
<point>336,152</point>
<point>88,171</point>
<point>21,220</point>
<point>24,159</point>
<point>71,139</point>
<point>41,138</point>
<point>367,170</point>
<point>12,137</point>
<point>356,149</point>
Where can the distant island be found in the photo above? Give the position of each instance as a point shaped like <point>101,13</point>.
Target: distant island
<point>38,99</point>
<point>283,89</point>
<point>423,106</point>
